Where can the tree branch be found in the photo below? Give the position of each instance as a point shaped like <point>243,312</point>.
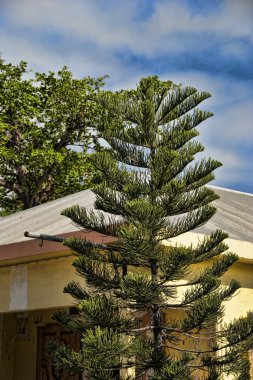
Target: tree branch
<point>11,186</point>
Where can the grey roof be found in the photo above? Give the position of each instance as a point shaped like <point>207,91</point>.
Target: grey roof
<point>234,215</point>
<point>46,218</point>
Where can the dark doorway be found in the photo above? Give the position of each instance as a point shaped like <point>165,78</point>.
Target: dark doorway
<point>45,369</point>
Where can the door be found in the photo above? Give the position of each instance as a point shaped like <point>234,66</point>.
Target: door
<point>45,369</point>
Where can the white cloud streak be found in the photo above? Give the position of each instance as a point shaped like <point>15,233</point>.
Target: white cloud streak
<point>116,27</point>
<point>89,36</point>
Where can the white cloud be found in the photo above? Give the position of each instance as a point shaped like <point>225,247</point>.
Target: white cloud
<point>229,133</point>
<point>93,61</point>
<point>233,19</point>
<point>114,25</point>
<point>235,168</point>
<point>236,125</point>
<point>90,34</point>
<point>15,48</point>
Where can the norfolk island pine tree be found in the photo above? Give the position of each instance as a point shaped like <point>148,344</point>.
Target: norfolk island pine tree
<point>152,193</point>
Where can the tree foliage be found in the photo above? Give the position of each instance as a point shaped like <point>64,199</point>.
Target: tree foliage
<point>153,191</point>
<point>41,117</point>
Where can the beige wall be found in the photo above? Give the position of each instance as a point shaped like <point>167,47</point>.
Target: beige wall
<point>39,284</point>
<point>243,299</point>
<point>36,285</point>
<point>19,344</point>
<point>19,340</point>
<point>241,271</point>
<point>244,249</point>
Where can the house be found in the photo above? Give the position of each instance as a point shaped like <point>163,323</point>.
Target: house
<point>33,274</point>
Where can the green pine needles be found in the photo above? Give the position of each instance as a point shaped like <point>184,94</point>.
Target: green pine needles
<point>149,310</point>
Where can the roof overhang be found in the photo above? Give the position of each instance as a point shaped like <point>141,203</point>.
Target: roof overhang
<point>35,250</point>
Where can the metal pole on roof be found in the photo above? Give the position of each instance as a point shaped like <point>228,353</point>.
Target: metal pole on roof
<point>60,239</point>
<point>44,237</point>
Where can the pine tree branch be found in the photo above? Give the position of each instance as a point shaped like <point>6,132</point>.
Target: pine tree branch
<point>197,352</point>
<point>194,335</point>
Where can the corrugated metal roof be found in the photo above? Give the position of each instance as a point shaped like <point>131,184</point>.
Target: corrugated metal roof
<point>45,218</point>
<point>234,215</point>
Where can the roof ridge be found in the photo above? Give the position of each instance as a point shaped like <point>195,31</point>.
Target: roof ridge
<point>231,190</point>
<point>15,214</point>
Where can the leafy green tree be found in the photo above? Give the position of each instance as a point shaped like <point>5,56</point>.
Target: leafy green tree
<point>149,193</point>
<point>41,117</point>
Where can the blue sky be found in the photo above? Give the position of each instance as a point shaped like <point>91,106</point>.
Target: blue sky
<point>204,43</point>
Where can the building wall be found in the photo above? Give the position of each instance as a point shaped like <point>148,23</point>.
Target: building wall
<point>19,342</point>
<point>39,284</point>
<point>36,285</point>
<point>29,294</point>
<point>241,271</point>
<point>243,299</point>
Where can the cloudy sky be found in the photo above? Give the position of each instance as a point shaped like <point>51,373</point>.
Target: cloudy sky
<point>204,43</point>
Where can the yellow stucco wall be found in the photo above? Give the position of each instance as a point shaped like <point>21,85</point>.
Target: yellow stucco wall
<point>243,299</point>
<point>39,284</point>
<point>244,249</point>
<point>5,280</point>
<point>241,271</point>
<point>19,353</point>
<point>36,285</point>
